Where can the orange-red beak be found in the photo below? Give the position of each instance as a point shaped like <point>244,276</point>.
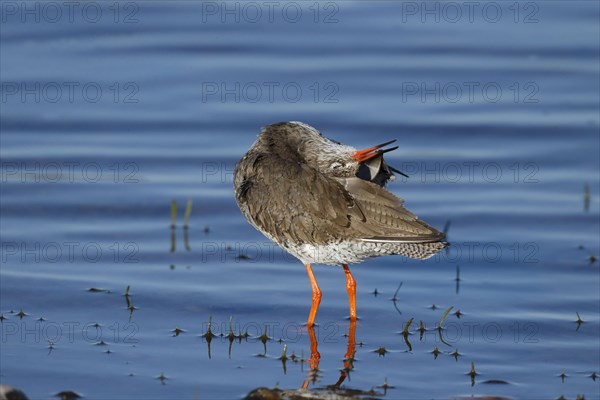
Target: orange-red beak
<point>366,154</point>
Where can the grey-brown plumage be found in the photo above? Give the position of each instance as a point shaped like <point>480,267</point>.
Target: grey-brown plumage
<point>325,202</point>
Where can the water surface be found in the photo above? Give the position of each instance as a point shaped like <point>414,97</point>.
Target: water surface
<point>87,183</point>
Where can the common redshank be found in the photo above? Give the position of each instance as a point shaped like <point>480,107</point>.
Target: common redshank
<point>326,203</point>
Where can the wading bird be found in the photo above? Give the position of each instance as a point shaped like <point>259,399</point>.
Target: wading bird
<point>326,203</point>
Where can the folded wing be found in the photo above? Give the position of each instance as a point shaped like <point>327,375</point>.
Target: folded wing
<point>295,202</point>
<point>385,218</point>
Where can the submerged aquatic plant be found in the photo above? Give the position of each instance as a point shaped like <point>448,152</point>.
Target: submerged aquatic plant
<point>421,330</point>
<point>173,240</point>
<point>264,337</point>
<point>284,358</point>
<point>187,214</point>
<point>579,321</point>
<point>385,386</point>
<point>173,213</point>
<point>186,239</point>
<point>405,334</point>
<point>439,327</point>
<point>394,299</point>
<point>563,376</point>
<point>472,373</point>
<point>381,351</point>
<point>208,335</point>
<point>231,336</point>
<point>405,330</point>
<point>457,279</point>
<point>177,331</point>
<point>455,354</point>
<point>396,292</point>
<point>129,302</point>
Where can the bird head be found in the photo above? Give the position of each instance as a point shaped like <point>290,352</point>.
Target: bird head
<point>303,143</point>
<point>372,167</point>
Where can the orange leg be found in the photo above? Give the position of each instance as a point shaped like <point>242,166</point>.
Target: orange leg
<point>351,289</point>
<point>316,296</point>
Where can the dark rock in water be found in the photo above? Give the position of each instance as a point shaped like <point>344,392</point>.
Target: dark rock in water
<point>484,398</point>
<point>495,382</point>
<point>322,393</point>
<point>263,393</point>
<point>10,393</point>
<point>68,395</point>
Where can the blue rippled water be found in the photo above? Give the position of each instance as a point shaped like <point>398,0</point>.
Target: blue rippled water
<point>109,111</point>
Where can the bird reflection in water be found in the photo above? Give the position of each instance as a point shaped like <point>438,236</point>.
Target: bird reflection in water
<point>315,357</point>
